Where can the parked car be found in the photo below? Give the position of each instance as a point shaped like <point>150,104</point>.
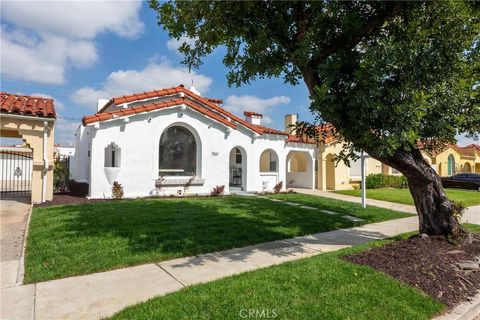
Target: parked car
<point>463,181</point>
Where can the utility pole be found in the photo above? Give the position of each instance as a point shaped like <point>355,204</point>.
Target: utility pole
<point>364,191</point>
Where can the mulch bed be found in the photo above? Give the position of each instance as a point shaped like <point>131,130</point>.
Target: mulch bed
<point>65,198</point>
<point>429,264</point>
<point>76,195</point>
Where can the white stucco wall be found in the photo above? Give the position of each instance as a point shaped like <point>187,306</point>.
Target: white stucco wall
<point>139,140</point>
<point>80,161</point>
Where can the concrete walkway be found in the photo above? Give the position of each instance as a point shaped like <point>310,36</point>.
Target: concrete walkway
<point>102,294</point>
<point>14,216</point>
<point>14,213</point>
<point>471,215</point>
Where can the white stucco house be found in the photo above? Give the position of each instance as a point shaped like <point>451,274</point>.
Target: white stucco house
<point>177,134</point>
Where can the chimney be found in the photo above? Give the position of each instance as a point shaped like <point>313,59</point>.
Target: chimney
<point>290,119</point>
<point>194,90</point>
<point>253,117</point>
<point>101,103</point>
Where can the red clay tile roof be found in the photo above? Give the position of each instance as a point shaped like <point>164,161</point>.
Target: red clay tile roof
<point>295,139</point>
<point>166,92</point>
<point>435,148</point>
<point>154,106</point>
<point>215,100</point>
<point>266,130</point>
<point>325,133</point>
<point>26,105</point>
<point>251,113</point>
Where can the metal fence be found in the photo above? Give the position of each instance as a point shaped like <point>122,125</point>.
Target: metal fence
<point>16,172</point>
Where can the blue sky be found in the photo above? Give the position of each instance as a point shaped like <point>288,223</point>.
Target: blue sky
<point>78,52</point>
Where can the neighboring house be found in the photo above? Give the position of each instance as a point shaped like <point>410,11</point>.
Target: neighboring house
<point>453,159</point>
<point>63,151</point>
<point>157,141</point>
<point>31,119</point>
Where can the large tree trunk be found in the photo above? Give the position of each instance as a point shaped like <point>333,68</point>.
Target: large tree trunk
<point>435,212</point>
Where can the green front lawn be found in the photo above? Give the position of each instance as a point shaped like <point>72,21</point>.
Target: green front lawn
<point>469,197</point>
<point>321,287</point>
<point>73,240</point>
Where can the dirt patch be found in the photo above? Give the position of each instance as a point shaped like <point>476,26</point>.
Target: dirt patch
<point>76,195</point>
<point>431,264</point>
<point>65,198</point>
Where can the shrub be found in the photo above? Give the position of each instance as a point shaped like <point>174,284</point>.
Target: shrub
<point>217,191</point>
<point>458,208</point>
<point>117,190</point>
<point>278,187</point>
<point>377,181</point>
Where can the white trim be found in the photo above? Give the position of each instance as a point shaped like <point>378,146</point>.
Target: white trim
<point>19,116</point>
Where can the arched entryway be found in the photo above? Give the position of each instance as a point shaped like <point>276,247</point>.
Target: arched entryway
<point>467,167</point>
<point>299,170</point>
<point>330,172</point>
<point>451,165</point>
<point>238,169</point>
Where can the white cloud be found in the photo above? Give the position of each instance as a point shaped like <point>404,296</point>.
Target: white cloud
<point>65,130</point>
<point>239,104</point>
<point>173,44</point>
<point>43,39</point>
<point>463,141</point>
<point>154,76</point>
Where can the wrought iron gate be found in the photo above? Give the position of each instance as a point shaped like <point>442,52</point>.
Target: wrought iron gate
<point>16,172</point>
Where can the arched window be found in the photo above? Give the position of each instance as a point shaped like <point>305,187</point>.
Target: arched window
<point>451,165</point>
<point>268,161</point>
<point>178,152</point>
<point>112,156</point>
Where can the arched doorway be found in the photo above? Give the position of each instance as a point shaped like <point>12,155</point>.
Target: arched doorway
<point>451,165</point>
<point>238,169</point>
<point>467,167</point>
<point>299,170</point>
<point>330,172</point>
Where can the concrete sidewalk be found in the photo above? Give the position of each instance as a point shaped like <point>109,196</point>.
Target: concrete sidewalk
<point>471,215</point>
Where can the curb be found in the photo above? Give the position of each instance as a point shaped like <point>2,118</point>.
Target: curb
<point>21,263</point>
<point>469,310</point>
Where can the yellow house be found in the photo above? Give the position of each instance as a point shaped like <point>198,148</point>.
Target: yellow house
<point>454,159</point>
<point>32,119</point>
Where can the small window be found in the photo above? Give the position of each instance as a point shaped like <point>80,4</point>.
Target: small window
<point>112,156</point>
<point>238,156</point>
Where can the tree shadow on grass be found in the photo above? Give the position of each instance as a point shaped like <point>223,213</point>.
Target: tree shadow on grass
<point>116,234</point>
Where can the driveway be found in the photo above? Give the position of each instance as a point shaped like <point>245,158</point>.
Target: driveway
<point>13,220</point>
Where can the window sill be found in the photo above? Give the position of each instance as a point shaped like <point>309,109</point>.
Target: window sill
<point>181,181</point>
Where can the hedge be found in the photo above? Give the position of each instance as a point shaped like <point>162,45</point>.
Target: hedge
<point>377,181</point>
